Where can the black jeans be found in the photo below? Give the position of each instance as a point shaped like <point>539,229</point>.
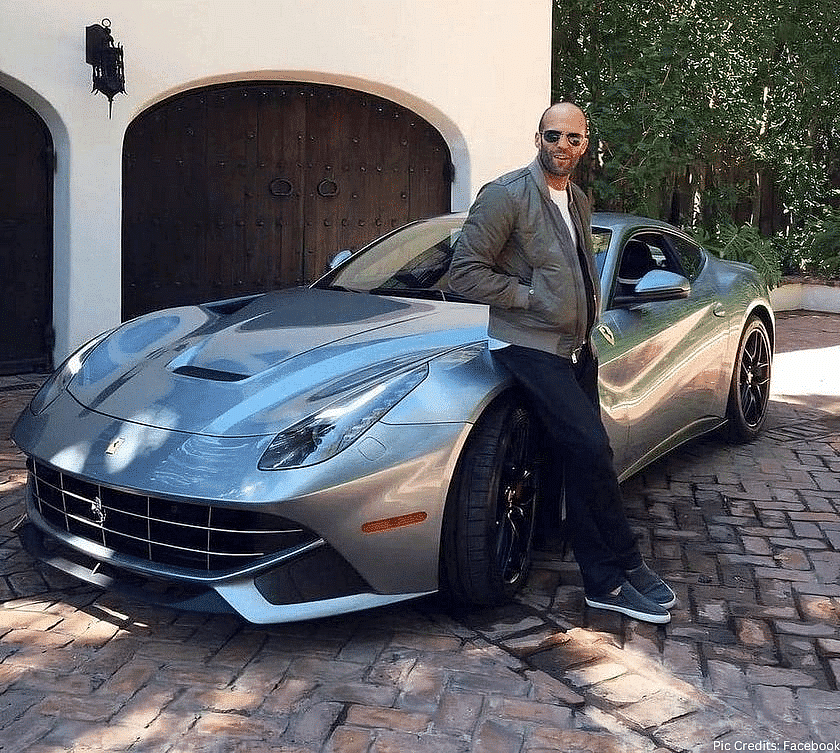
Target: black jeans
<point>565,397</point>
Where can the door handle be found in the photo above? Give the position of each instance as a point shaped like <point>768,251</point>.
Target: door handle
<point>280,187</point>
<point>719,309</point>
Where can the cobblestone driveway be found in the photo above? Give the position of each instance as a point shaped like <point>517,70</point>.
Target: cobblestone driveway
<point>749,536</point>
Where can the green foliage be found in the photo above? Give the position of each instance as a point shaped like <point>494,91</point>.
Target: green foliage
<point>821,254</point>
<point>707,112</point>
<point>745,244</point>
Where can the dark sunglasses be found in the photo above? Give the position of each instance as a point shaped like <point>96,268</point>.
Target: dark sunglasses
<point>552,137</point>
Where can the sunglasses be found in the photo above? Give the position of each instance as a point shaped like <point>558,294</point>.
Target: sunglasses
<point>552,137</point>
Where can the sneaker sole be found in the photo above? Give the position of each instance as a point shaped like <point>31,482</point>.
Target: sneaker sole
<point>656,619</point>
<point>668,604</point>
<point>664,604</point>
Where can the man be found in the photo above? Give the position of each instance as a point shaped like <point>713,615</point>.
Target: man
<point>526,250</point>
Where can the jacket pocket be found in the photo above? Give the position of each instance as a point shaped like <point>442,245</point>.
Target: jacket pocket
<point>550,304</point>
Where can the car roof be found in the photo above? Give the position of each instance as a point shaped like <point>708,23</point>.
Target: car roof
<point>619,219</point>
<point>607,220</point>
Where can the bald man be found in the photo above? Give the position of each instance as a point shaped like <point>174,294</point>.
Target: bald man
<point>526,250</point>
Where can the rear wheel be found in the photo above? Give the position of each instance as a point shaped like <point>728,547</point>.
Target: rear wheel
<point>750,391</point>
<point>489,520</point>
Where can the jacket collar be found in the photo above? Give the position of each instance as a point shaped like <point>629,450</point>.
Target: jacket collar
<point>539,177</point>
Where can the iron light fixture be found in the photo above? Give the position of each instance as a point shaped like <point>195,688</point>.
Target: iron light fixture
<point>106,59</point>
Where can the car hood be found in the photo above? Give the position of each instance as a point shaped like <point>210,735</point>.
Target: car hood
<point>256,367</point>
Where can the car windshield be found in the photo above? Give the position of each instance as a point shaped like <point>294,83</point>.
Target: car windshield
<point>414,260</point>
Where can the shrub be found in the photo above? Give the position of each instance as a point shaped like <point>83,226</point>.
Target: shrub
<point>821,252</point>
<point>745,244</point>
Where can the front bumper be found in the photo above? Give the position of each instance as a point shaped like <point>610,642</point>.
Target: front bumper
<point>253,597</point>
<point>395,472</point>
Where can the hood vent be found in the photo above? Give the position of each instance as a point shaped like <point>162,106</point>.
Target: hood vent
<point>212,375</point>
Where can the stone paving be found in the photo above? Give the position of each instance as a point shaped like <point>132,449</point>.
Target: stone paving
<point>749,537</point>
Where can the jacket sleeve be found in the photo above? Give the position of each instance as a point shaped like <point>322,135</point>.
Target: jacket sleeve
<point>475,272</point>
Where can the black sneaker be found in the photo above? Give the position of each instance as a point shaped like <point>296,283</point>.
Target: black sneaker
<point>649,584</point>
<point>630,602</point>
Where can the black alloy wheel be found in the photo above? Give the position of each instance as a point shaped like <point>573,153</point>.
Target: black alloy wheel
<point>750,391</point>
<point>489,520</point>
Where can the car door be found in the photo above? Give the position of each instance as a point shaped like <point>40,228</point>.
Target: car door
<point>661,360</point>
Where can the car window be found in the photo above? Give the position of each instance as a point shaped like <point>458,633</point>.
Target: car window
<point>691,256</point>
<point>415,257</point>
<point>415,260</point>
<point>641,253</point>
<point>600,243</point>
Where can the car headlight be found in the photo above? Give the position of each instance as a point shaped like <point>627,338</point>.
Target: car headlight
<point>329,431</point>
<point>63,375</point>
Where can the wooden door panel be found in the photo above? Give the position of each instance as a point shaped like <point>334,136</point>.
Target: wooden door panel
<point>335,190</point>
<point>258,185</point>
<point>430,174</point>
<point>26,170</point>
<point>181,254</point>
<point>231,119</point>
<point>276,187</point>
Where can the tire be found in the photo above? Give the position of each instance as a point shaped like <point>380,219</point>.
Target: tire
<point>749,393</point>
<point>489,520</point>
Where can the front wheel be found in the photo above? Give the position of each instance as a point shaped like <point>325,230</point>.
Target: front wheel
<point>489,521</point>
<point>749,393</point>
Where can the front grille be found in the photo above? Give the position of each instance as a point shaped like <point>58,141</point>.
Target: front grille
<point>188,535</point>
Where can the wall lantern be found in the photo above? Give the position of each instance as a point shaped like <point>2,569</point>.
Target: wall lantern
<point>106,59</point>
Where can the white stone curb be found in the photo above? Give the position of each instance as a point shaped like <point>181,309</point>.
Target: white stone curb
<point>790,296</point>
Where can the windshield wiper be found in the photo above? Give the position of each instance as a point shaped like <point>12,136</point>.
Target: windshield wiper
<point>428,293</point>
<point>339,288</point>
<point>431,294</point>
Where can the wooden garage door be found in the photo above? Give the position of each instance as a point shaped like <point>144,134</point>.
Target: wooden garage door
<point>26,179</point>
<point>254,186</point>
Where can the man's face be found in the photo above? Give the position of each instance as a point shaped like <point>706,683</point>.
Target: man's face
<point>559,159</point>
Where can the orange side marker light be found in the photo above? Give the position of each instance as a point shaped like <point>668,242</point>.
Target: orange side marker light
<point>377,526</point>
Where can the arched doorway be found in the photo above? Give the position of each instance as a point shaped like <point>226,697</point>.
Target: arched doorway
<point>27,165</point>
<point>252,186</point>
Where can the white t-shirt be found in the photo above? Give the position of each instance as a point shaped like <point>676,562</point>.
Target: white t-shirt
<point>561,198</point>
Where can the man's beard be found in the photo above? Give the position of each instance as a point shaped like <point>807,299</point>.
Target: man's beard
<point>562,170</point>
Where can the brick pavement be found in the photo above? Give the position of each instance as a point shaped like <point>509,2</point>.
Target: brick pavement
<point>749,536</point>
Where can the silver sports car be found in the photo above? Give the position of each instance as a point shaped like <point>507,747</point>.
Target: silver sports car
<point>318,450</point>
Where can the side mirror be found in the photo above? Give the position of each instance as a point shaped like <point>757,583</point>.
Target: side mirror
<point>341,257</point>
<point>656,285</point>
<point>659,285</point>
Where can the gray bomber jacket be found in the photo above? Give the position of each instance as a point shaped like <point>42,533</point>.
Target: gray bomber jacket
<point>515,254</point>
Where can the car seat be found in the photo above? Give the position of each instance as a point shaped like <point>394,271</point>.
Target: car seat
<point>636,261</point>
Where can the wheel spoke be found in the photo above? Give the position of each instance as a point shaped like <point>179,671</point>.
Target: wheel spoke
<point>754,377</point>
<point>517,492</point>
<point>509,545</point>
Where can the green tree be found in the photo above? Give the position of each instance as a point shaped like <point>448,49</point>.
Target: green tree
<point>708,113</point>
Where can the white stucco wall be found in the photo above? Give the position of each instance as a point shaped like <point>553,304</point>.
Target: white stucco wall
<point>478,70</point>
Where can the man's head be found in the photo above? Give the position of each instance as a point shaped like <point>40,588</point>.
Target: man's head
<point>561,141</point>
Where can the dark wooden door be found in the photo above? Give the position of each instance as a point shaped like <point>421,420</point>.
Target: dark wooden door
<point>254,186</point>
<point>26,179</point>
